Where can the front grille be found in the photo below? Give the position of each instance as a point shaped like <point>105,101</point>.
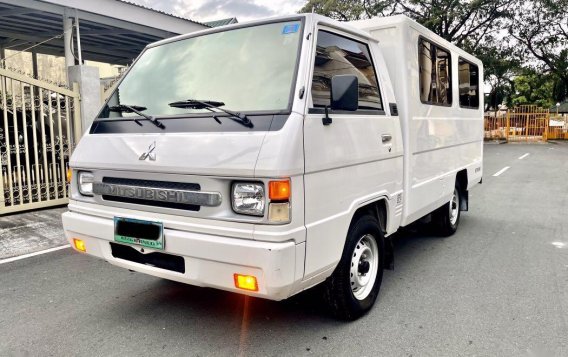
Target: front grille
<point>152,184</point>
<point>155,259</point>
<point>136,201</point>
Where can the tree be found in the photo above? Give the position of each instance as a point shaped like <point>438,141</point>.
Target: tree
<point>501,67</point>
<point>532,87</point>
<point>337,9</point>
<point>560,91</point>
<point>541,29</point>
<point>464,22</point>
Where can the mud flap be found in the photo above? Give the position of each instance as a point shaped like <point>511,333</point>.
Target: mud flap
<point>389,254</point>
<point>464,200</point>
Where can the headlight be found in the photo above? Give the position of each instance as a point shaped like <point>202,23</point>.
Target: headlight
<point>85,180</point>
<point>248,198</point>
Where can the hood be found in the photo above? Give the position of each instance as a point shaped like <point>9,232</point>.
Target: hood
<point>202,153</point>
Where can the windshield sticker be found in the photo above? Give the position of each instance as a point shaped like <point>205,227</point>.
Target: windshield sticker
<point>293,28</point>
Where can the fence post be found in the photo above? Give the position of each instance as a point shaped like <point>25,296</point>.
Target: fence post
<point>546,125</point>
<point>508,125</point>
<point>527,121</point>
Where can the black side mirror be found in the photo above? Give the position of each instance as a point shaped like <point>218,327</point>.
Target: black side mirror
<point>344,94</point>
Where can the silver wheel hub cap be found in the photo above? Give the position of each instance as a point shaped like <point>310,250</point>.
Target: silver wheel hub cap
<point>364,267</point>
<point>454,208</point>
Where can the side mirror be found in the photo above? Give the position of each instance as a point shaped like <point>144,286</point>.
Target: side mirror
<point>345,92</point>
<point>344,95</point>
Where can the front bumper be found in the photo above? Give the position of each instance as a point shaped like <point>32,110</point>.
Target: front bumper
<point>210,260</point>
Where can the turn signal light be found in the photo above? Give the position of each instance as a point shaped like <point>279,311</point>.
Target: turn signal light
<point>279,190</point>
<point>245,282</point>
<point>69,174</point>
<point>79,245</point>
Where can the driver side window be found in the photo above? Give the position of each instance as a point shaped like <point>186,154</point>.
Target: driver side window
<point>337,55</point>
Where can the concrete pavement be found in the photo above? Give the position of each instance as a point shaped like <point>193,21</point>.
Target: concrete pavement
<point>30,232</point>
<point>499,287</point>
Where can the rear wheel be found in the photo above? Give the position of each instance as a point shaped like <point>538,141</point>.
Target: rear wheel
<point>354,285</point>
<point>447,218</point>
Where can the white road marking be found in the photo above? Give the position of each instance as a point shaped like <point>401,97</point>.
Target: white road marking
<point>525,155</point>
<point>13,259</point>
<point>501,171</point>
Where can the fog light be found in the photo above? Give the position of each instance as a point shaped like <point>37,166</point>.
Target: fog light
<point>79,245</point>
<point>245,282</point>
<point>279,212</point>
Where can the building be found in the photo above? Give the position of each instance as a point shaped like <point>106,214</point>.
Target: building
<point>561,110</point>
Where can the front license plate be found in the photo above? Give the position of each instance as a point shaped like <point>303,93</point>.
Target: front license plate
<point>137,232</point>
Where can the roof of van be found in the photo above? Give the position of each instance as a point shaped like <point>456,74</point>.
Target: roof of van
<point>398,20</point>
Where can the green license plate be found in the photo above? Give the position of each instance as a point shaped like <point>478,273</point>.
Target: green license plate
<point>138,232</point>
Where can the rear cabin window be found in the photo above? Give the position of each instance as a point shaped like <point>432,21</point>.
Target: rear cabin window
<point>468,78</point>
<point>435,73</point>
<point>337,55</point>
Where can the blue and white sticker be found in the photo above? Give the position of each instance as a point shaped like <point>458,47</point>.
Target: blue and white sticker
<point>291,28</point>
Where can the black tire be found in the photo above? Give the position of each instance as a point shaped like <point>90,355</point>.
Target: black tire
<point>444,223</point>
<point>338,291</point>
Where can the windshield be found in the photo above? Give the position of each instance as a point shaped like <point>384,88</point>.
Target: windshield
<point>247,69</point>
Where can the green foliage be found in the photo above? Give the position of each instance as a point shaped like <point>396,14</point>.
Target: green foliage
<point>500,68</point>
<point>541,29</point>
<point>559,91</point>
<point>337,9</point>
<point>533,88</point>
<point>466,23</point>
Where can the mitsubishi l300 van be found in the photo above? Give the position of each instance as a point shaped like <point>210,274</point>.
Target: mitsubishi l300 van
<point>266,157</point>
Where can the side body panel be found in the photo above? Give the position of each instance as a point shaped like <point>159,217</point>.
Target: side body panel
<point>347,166</point>
<point>439,141</point>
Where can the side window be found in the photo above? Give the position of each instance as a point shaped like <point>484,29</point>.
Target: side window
<point>435,73</point>
<point>340,55</point>
<point>468,76</point>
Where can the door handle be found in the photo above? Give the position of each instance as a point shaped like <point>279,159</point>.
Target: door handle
<point>386,138</point>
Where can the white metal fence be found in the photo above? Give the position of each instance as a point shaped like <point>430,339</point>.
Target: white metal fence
<point>39,127</point>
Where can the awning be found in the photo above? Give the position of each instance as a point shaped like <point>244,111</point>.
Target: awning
<point>110,31</point>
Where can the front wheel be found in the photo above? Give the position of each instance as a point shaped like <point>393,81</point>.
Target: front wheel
<point>354,285</point>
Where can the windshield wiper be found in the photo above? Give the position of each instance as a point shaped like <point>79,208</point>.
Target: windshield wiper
<point>136,110</point>
<point>210,105</point>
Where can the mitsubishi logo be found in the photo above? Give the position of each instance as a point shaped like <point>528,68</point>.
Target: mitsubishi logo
<point>150,154</point>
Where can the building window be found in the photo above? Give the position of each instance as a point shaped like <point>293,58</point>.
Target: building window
<point>337,55</point>
<point>435,73</point>
<point>468,79</point>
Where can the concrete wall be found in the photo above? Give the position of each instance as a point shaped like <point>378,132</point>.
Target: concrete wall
<point>90,89</point>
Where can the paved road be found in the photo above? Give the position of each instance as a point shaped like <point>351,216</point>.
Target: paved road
<point>499,287</point>
<point>29,232</point>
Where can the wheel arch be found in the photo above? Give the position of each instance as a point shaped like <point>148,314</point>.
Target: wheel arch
<point>378,209</point>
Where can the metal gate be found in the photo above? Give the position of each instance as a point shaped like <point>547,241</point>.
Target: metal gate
<point>527,123</point>
<point>39,127</point>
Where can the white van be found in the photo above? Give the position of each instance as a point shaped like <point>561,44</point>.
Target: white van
<point>267,157</point>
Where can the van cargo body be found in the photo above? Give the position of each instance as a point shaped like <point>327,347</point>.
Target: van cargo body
<point>267,157</point>
<point>438,139</point>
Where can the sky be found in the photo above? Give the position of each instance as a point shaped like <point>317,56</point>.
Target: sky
<point>207,10</point>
